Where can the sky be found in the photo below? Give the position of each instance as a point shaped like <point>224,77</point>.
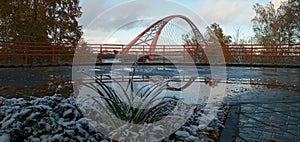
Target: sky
<point>119,21</point>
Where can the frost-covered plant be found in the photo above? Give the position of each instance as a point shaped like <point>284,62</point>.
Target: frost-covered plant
<point>125,112</point>
<point>146,105</point>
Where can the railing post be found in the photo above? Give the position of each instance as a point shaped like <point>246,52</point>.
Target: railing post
<point>122,55</point>
<point>101,54</point>
<point>276,55</point>
<point>143,54</point>
<point>251,54</point>
<point>52,47</point>
<point>184,51</point>
<point>26,54</point>
<point>164,54</point>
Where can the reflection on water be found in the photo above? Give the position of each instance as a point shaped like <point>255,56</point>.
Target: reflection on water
<point>41,81</point>
<point>35,81</point>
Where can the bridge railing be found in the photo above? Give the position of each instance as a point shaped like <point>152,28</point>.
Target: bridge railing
<point>34,53</point>
<point>277,54</point>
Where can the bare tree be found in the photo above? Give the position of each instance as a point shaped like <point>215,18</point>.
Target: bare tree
<point>237,36</point>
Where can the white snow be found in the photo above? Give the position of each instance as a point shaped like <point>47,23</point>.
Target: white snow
<point>182,134</point>
<point>52,114</point>
<point>4,138</point>
<point>6,123</point>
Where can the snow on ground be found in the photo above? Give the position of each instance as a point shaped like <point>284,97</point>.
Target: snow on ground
<point>54,118</point>
<point>51,118</point>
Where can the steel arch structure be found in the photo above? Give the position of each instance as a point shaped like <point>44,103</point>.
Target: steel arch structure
<point>151,34</point>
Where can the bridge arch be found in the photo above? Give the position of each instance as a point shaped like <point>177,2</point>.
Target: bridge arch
<point>153,32</point>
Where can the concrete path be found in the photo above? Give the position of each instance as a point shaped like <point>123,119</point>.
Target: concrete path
<point>263,115</point>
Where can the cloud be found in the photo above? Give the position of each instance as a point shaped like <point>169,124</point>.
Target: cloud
<point>107,15</point>
<point>129,15</point>
<point>230,14</point>
<point>113,40</point>
<point>90,9</point>
<point>102,17</point>
<point>223,11</point>
<point>113,15</point>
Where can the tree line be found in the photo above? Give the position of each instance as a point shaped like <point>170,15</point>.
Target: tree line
<point>55,21</point>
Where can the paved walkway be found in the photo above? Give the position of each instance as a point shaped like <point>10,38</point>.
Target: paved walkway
<point>263,115</point>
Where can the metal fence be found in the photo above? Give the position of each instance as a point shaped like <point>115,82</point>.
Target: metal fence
<point>34,53</point>
<point>277,54</point>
